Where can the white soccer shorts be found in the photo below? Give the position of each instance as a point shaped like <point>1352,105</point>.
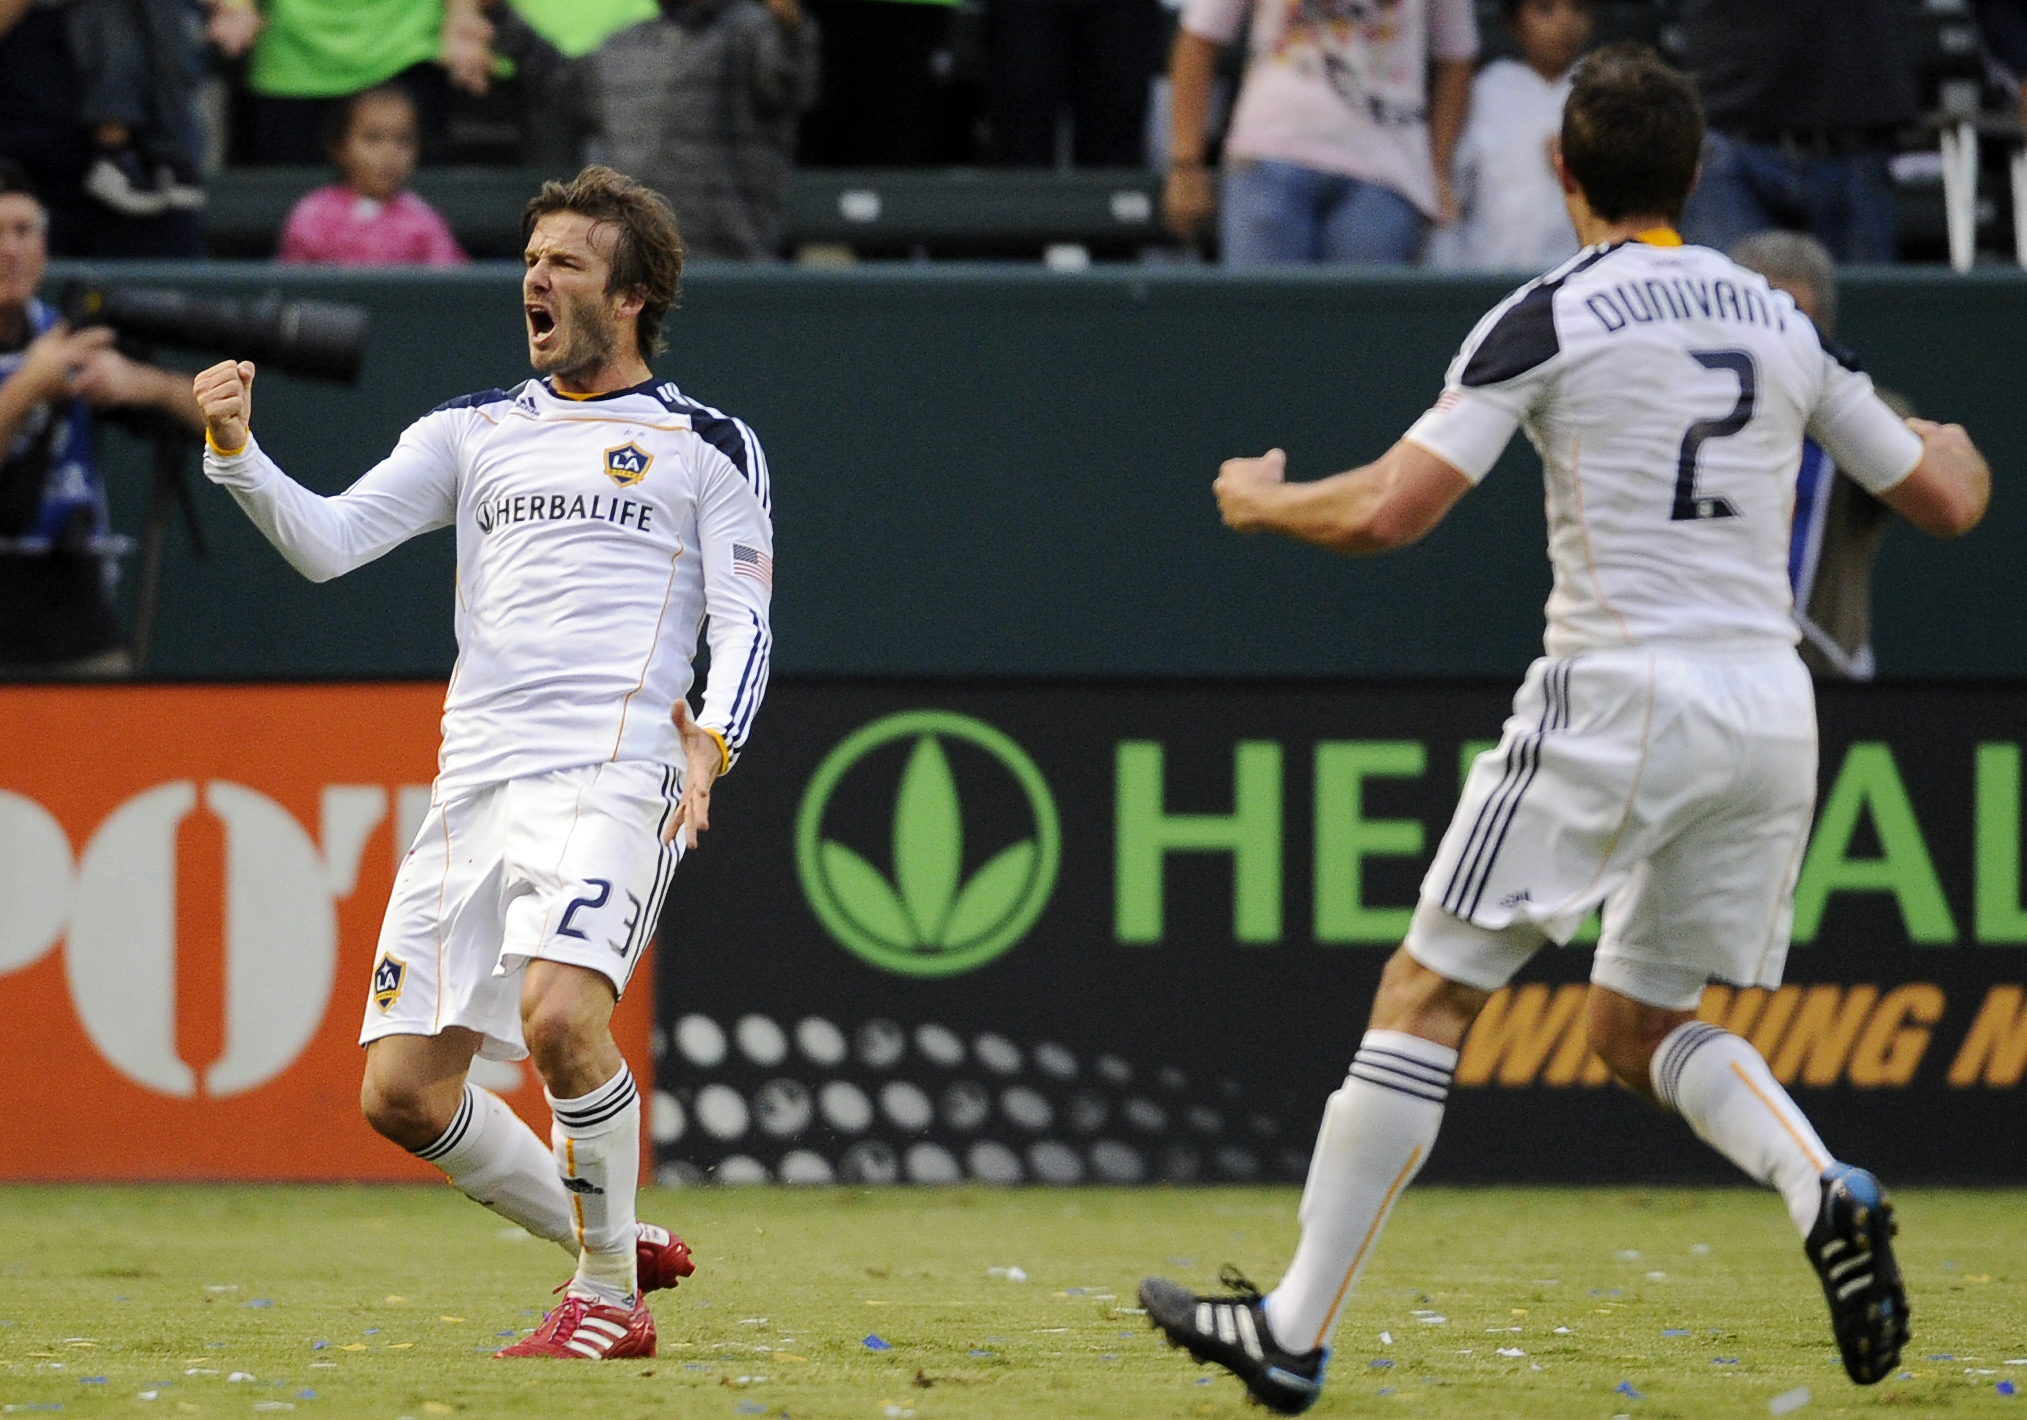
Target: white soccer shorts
<point>567,866</point>
<point>1672,787</point>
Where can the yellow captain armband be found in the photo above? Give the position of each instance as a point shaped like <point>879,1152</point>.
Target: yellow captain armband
<point>724,750</point>
<point>212,444</point>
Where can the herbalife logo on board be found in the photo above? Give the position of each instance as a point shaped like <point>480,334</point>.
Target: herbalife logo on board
<point>929,918</point>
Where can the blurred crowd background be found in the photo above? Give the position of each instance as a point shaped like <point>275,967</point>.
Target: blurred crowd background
<point>1251,132</point>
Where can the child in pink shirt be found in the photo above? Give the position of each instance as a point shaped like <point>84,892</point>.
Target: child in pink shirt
<point>371,219</point>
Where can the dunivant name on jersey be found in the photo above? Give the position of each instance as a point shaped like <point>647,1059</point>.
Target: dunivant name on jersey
<point>1679,298</point>
<point>556,507</point>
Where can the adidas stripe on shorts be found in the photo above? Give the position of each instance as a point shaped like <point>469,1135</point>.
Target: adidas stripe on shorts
<point>1673,787</point>
<point>567,866</point>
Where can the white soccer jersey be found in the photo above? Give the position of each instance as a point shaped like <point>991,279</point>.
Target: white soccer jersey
<point>593,537</point>
<point>1667,391</point>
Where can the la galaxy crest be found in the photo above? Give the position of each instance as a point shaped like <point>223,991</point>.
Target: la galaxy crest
<point>627,464</point>
<point>389,976</point>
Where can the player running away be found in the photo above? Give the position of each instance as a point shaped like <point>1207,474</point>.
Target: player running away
<point>1661,757</point>
<point>600,515</point>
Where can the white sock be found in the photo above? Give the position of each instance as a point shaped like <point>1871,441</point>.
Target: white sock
<point>1377,1132</point>
<point>494,1159</point>
<point>1723,1088</point>
<point>597,1139</point>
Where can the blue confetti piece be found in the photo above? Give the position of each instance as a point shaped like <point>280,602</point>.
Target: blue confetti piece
<point>747,1407</point>
<point>1724,1360</point>
<point>306,1395</point>
<point>874,1343</point>
<point>259,1303</point>
<point>101,1380</point>
<point>2005,1388</point>
<point>1380,1363</point>
<point>1203,1380</point>
<point>1073,1291</point>
<point>695,1366</point>
<point>320,1345</point>
<point>1625,1388</point>
<point>506,1333</point>
<point>976,1352</point>
<point>1106,1356</point>
<point>1384,1390</point>
<point>1182,1262</point>
<point>375,1331</point>
<point>1940,1356</point>
<point>1674,1331</point>
<point>699,1303</point>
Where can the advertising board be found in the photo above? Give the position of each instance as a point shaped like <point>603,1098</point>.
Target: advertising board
<point>191,885</point>
<point>1122,932</point>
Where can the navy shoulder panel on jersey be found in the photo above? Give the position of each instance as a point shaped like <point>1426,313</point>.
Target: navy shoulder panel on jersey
<point>716,428</point>
<point>473,401</point>
<point>1524,337</point>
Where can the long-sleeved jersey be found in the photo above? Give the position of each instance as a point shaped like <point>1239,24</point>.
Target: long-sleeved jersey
<point>594,535</point>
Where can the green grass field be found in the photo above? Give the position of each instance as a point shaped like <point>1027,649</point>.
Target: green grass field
<point>386,1302</point>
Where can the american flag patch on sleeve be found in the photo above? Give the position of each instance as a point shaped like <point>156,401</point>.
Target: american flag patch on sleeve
<point>752,562</point>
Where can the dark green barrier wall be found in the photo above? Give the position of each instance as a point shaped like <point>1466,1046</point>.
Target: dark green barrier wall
<point>1007,471</point>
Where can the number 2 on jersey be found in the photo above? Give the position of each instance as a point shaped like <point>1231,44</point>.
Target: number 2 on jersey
<point>1691,506</point>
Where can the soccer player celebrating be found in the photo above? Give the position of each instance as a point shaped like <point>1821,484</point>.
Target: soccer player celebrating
<point>1661,758</point>
<point>600,515</point>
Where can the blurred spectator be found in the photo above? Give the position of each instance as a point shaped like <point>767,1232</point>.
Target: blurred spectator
<point>884,65</point>
<point>2004,23</point>
<point>548,44</point>
<point>701,105</point>
<point>1804,99</point>
<point>1340,145</point>
<point>41,130</point>
<point>1095,58</point>
<point>1838,525</point>
<point>138,70</point>
<point>313,52</point>
<point>370,218</point>
<point>56,558</point>
<point>1513,214</point>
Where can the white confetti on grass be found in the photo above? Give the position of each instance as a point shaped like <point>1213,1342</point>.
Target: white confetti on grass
<point>1790,1400</point>
<point>1511,1351</point>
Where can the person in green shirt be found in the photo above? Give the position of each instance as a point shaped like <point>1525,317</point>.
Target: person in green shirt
<point>312,52</point>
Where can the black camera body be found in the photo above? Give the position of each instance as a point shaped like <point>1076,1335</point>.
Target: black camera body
<point>320,340</point>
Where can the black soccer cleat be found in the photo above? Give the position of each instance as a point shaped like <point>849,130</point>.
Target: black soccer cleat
<point>1232,1331</point>
<point>1851,1248</point>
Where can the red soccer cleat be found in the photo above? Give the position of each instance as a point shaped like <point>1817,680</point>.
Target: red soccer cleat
<point>584,1330</point>
<point>662,1258</point>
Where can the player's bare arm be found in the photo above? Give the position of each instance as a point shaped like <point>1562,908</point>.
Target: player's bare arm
<point>1949,490</point>
<point>224,395</point>
<point>1388,503</point>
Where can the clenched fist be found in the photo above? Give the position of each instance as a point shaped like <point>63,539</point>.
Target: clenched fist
<point>225,397</point>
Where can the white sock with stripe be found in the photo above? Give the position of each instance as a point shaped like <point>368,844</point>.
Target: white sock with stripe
<point>494,1159</point>
<point>597,1148</point>
<point>1722,1086</point>
<point>1377,1132</point>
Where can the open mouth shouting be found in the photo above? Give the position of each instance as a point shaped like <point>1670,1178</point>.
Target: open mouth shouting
<point>541,323</point>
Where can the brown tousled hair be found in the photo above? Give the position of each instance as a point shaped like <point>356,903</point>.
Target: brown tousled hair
<point>1632,132</point>
<point>647,257</point>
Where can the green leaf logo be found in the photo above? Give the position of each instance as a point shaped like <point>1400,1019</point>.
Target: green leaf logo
<point>927,921</point>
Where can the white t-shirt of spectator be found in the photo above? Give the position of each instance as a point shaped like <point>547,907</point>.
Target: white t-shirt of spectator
<point>1514,218</point>
<point>1341,86</point>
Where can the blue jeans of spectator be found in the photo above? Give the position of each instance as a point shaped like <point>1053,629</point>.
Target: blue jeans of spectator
<point>1278,214</point>
<point>1844,200</point>
<point>137,64</point>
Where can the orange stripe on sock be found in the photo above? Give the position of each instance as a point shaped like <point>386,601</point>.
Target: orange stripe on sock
<point>576,1203</point>
<point>1385,1207</point>
<point>1774,1109</point>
